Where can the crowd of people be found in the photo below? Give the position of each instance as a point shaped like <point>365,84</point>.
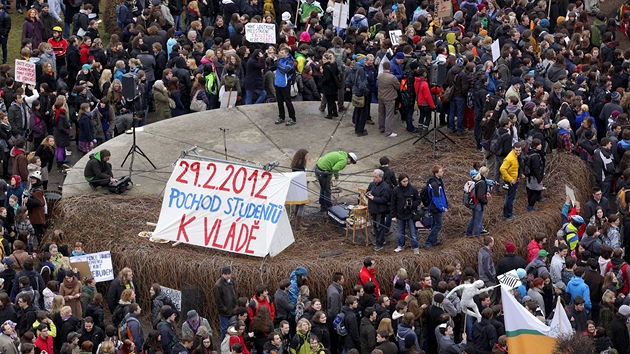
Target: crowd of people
<point>559,85</point>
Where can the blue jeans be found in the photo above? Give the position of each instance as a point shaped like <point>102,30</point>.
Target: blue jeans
<point>178,22</point>
<point>66,31</point>
<point>456,111</point>
<point>411,225</point>
<point>509,201</point>
<point>249,96</point>
<point>323,178</point>
<point>407,115</point>
<point>435,229</point>
<point>223,323</point>
<point>474,225</point>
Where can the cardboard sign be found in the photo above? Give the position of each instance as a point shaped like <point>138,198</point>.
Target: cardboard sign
<point>260,33</point>
<point>569,191</point>
<point>393,36</point>
<point>509,280</point>
<point>100,264</point>
<point>340,15</point>
<point>226,206</point>
<point>25,72</point>
<point>444,8</point>
<point>83,268</point>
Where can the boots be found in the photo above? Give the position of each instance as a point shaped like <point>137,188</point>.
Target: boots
<point>300,224</point>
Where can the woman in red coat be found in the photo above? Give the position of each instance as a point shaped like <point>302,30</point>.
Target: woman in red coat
<point>425,99</point>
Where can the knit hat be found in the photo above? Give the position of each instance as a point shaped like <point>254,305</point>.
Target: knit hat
<point>286,16</point>
<point>510,248</point>
<point>168,313</point>
<point>192,315</point>
<point>560,19</point>
<point>481,7</point>
<point>544,23</point>
<point>543,253</point>
<point>73,335</point>
<point>615,96</point>
<point>438,298</point>
<point>580,79</point>
<point>564,124</point>
<point>515,81</point>
<point>226,270</point>
<point>305,37</point>
<point>529,106</point>
<point>8,261</point>
<point>521,273</point>
<point>400,55</point>
<point>86,67</point>
<point>624,310</point>
<point>615,113</point>
<point>301,271</point>
<point>458,16</point>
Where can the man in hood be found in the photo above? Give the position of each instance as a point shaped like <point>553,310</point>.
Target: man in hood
<point>98,171</point>
<point>577,287</point>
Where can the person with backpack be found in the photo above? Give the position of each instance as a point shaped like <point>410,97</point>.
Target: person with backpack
<point>347,323</point>
<point>133,330</point>
<point>285,74</point>
<point>604,166</point>
<point>438,204</point>
<point>534,171</point>
<point>479,195</point>
<point>167,330</point>
<point>124,15</point>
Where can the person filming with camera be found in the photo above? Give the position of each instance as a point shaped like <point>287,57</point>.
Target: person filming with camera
<point>405,200</point>
<point>98,171</point>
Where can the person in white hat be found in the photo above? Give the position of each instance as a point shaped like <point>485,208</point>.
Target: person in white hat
<point>327,166</point>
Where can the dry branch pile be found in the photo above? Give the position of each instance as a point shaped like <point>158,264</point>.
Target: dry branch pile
<point>113,222</point>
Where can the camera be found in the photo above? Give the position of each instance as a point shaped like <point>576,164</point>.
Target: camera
<point>408,203</point>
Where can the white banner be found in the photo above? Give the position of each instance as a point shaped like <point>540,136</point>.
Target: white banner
<point>394,36</point>
<point>25,72</point>
<point>228,207</point>
<point>260,33</point>
<point>100,265</point>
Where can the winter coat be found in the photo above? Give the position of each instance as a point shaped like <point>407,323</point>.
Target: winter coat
<point>484,336</point>
<point>404,201</point>
<point>423,93</point>
<point>537,295</point>
<point>225,297</point>
<point>37,126</point>
<point>577,287</point>
<point>283,306</point>
<point>487,271</point>
<point>439,204</point>
<point>86,130</point>
<point>253,76</point>
<point>510,262</point>
<point>61,130</point>
<point>330,84</point>
<point>283,67</point>
<point>32,30</point>
<point>162,109</point>
<point>380,203</point>
<point>97,313</point>
<point>68,288</point>
<point>116,289</point>
<point>160,299</point>
<point>368,336</point>
<point>510,167</point>
<point>353,339</point>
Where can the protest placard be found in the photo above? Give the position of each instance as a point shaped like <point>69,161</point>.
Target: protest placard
<point>394,35</point>
<point>444,8</point>
<point>340,15</point>
<point>229,207</point>
<point>100,265</point>
<point>25,72</point>
<point>260,33</point>
<point>509,280</point>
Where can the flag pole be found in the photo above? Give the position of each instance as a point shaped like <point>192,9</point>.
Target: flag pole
<point>549,9</point>
<point>559,322</point>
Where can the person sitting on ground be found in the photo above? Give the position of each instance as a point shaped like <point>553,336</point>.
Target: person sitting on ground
<point>98,171</point>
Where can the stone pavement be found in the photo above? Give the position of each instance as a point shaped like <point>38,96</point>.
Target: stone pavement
<point>251,137</point>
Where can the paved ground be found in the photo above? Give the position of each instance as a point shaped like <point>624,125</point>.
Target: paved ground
<point>252,137</point>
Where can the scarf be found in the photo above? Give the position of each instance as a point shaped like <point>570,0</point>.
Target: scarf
<point>194,326</point>
<point>87,289</point>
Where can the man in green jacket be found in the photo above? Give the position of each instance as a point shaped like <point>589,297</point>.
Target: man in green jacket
<point>327,166</point>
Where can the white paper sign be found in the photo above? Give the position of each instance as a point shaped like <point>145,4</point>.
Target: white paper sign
<point>496,50</point>
<point>260,33</point>
<point>393,36</point>
<point>227,98</point>
<point>380,66</point>
<point>569,191</point>
<point>25,72</point>
<point>340,15</point>
<point>225,206</point>
<point>100,265</point>
<point>509,280</point>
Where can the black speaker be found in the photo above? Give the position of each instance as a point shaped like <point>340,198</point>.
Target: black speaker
<point>437,73</point>
<point>192,299</point>
<point>130,86</point>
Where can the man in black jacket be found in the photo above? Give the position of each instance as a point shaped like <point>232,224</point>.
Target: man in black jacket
<point>603,166</point>
<point>98,171</point>
<point>479,101</point>
<point>536,174</point>
<point>510,261</point>
<point>352,340</point>
<point>378,194</point>
<point>368,331</point>
<point>502,149</point>
<point>225,298</point>
<point>5,28</point>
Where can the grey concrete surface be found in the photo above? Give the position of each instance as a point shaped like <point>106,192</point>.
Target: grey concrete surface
<point>251,137</point>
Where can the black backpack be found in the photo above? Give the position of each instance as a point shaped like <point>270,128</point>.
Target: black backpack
<point>425,198</point>
<point>495,147</point>
<point>527,159</point>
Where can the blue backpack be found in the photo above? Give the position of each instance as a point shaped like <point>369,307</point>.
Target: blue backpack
<point>339,324</point>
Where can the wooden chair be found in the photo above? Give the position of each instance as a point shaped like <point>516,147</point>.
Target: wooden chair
<point>358,220</point>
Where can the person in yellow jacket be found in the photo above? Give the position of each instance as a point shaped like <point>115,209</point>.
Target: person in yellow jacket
<point>510,173</point>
